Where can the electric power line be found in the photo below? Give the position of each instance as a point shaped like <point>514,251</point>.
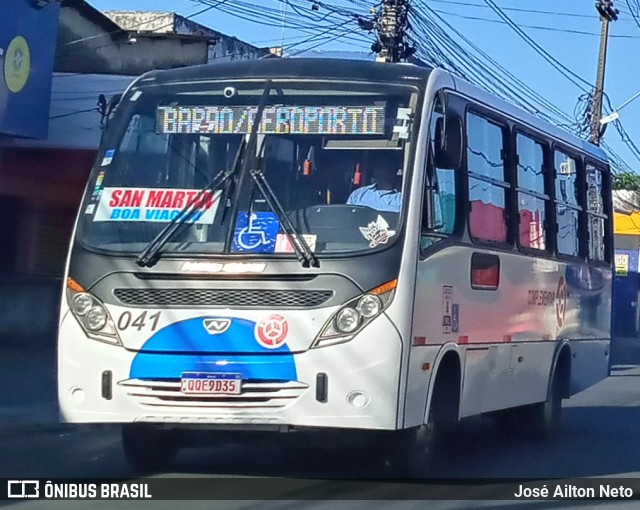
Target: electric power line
<point>535,27</point>
<point>577,80</point>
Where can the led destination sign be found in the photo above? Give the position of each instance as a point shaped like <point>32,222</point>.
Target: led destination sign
<point>294,120</point>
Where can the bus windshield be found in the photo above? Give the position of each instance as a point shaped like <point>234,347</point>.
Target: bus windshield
<point>334,154</point>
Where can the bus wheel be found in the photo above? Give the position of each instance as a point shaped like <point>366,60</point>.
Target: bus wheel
<point>545,417</point>
<point>148,448</point>
<point>424,445</point>
<point>427,441</point>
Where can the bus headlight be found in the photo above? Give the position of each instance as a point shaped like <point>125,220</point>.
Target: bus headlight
<point>355,315</point>
<point>347,320</point>
<point>369,305</point>
<point>91,314</point>
<point>96,318</point>
<point>82,303</point>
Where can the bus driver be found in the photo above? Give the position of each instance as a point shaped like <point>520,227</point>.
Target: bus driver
<point>382,195</point>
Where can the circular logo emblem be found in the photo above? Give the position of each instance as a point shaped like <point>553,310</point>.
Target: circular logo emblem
<point>561,301</point>
<point>271,331</point>
<point>17,64</point>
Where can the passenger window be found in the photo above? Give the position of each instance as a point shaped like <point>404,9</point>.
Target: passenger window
<point>446,186</point>
<point>487,183</point>
<point>596,218</point>
<point>531,193</point>
<point>567,208</point>
<point>447,197</point>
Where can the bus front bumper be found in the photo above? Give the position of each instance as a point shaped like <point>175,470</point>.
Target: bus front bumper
<point>350,385</point>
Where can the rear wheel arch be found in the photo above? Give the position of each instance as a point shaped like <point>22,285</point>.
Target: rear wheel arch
<point>561,368</point>
<point>543,420</point>
<point>446,384</point>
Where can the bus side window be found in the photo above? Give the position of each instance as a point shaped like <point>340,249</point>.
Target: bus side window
<point>445,193</point>
<point>596,216</point>
<point>567,204</point>
<point>531,193</point>
<point>487,180</point>
<point>447,199</point>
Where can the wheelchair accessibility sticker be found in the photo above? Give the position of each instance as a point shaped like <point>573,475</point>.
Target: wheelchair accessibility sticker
<point>256,233</point>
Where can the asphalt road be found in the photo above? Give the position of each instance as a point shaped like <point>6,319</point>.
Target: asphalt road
<point>600,437</point>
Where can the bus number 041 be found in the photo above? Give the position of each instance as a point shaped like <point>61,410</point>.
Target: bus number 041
<point>126,321</point>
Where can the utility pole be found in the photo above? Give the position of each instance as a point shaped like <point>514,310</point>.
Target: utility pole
<point>607,15</point>
<point>391,24</point>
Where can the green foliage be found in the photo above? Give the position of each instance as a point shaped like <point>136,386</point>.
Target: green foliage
<point>627,180</point>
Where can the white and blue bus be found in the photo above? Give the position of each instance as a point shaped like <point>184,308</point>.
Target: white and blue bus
<point>286,245</point>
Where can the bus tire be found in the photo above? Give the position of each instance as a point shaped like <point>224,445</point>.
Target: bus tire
<point>425,445</point>
<point>545,417</point>
<point>427,441</point>
<point>147,448</point>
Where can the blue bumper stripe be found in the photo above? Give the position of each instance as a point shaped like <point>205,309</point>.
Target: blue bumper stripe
<point>274,367</point>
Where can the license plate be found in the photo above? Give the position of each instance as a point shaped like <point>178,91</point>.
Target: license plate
<point>211,384</point>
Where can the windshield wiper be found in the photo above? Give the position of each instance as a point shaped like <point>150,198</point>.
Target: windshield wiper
<point>301,247</point>
<point>150,255</point>
<point>299,243</point>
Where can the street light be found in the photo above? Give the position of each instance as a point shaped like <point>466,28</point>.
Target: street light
<point>615,115</point>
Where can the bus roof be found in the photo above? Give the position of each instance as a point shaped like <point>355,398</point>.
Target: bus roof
<point>364,71</point>
<point>294,68</point>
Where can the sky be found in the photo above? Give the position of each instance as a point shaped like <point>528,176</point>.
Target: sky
<point>569,31</point>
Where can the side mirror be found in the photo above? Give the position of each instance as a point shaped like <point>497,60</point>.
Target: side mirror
<point>106,109</point>
<point>113,103</point>
<point>448,142</point>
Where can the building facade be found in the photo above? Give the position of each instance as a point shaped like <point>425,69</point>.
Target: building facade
<point>28,31</point>
<point>53,125</point>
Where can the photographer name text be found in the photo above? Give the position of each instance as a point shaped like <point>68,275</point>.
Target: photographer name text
<point>568,491</point>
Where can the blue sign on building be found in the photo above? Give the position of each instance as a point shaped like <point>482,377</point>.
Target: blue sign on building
<point>28,31</point>
<point>626,294</point>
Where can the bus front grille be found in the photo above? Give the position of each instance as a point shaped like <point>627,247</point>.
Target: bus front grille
<point>254,395</point>
<point>237,298</point>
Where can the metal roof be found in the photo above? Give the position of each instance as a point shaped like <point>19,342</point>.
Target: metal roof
<point>292,68</point>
